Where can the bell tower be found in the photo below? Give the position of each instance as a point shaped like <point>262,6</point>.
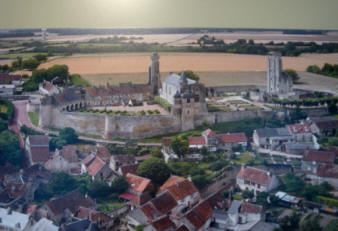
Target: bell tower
<point>154,73</point>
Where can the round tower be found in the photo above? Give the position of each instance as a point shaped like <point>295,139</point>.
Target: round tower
<point>154,73</point>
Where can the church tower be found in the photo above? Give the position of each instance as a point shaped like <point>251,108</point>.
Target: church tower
<point>154,73</point>
<point>274,73</point>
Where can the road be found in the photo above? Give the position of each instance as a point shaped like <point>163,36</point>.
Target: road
<point>21,118</point>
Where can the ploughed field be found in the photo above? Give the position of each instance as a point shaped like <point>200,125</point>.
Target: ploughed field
<point>214,69</point>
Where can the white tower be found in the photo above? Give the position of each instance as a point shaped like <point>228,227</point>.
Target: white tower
<point>44,33</point>
<point>274,73</point>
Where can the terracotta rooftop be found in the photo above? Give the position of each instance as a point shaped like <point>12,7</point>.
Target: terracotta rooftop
<point>129,169</point>
<point>7,169</point>
<point>163,224</point>
<point>86,161</point>
<point>69,153</point>
<point>329,171</point>
<point>299,128</point>
<point>329,124</point>
<point>182,189</point>
<point>320,156</point>
<point>233,138</point>
<point>182,228</point>
<point>7,78</point>
<point>95,166</point>
<point>92,215</point>
<point>103,153</point>
<point>124,159</point>
<point>254,175</point>
<point>38,140</point>
<point>164,202</point>
<point>72,201</point>
<point>196,140</point>
<point>150,211</point>
<point>137,183</point>
<point>40,154</point>
<point>171,181</point>
<point>251,208</point>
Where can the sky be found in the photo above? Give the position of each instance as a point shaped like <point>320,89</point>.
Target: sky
<point>279,14</point>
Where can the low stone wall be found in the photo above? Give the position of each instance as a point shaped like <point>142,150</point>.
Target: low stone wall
<point>239,115</point>
<point>219,90</point>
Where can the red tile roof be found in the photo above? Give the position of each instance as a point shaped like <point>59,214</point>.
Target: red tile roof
<point>124,159</point>
<point>299,128</point>
<point>182,189</point>
<point>69,153</point>
<point>7,79</point>
<point>171,181</point>
<point>150,211</point>
<point>129,169</point>
<point>254,175</point>
<point>7,169</point>
<point>329,171</point>
<point>333,149</point>
<point>127,196</point>
<point>92,215</point>
<point>320,156</point>
<point>196,140</point>
<point>251,208</point>
<point>40,154</point>
<point>95,166</point>
<point>204,210</point>
<point>86,161</point>
<point>163,224</point>
<point>209,132</point>
<point>182,228</point>
<point>329,124</point>
<point>138,184</point>
<point>103,153</point>
<point>164,202</point>
<point>194,219</point>
<point>39,140</point>
<point>233,138</point>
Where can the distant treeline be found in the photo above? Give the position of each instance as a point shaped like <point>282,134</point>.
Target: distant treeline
<point>206,44</point>
<point>327,69</point>
<point>304,32</point>
<point>16,34</point>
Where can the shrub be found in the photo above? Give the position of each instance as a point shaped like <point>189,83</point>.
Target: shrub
<point>165,104</point>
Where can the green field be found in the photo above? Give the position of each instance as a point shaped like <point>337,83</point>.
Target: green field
<point>34,118</point>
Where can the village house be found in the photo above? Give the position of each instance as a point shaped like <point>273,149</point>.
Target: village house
<point>37,149</point>
<point>65,160</point>
<point>63,209</point>
<point>139,190</point>
<point>103,221</point>
<point>167,151</point>
<point>80,225</point>
<point>119,161</point>
<point>326,126</point>
<point>287,200</point>
<point>301,132</point>
<point>242,216</point>
<point>256,180</point>
<point>48,88</point>
<point>96,167</point>
<point>271,138</point>
<point>10,84</point>
<point>44,225</point>
<point>177,206</point>
<point>327,173</point>
<point>312,159</point>
<point>213,142</point>
<point>14,221</point>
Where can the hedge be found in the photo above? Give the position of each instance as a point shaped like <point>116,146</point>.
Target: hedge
<point>164,103</point>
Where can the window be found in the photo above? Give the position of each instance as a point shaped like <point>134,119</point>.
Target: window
<point>188,100</point>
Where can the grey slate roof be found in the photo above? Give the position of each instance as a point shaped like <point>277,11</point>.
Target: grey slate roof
<point>175,80</point>
<point>138,215</point>
<point>272,132</point>
<point>220,214</point>
<point>39,140</point>
<point>81,225</point>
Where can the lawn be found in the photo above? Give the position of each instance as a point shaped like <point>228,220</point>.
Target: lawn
<point>34,118</point>
<point>15,55</point>
<point>106,206</point>
<point>77,80</point>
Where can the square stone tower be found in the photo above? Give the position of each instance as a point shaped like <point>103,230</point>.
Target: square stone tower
<point>154,73</point>
<point>274,73</point>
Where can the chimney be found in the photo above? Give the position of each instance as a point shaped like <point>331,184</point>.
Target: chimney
<point>9,211</point>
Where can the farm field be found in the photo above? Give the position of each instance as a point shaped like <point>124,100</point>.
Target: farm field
<point>199,62</point>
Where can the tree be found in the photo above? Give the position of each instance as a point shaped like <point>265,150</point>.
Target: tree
<point>99,189</point>
<point>30,64</point>
<point>56,143</point>
<point>293,183</point>
<point>10,148</point>
<point>333,109</point>
<point>293,74</point>
<point>247,194</point>
<point>154,169</point>
<point>119,185</point>
<point>313,69</point>
<point>310,223</point>
<point>200,181</point>
<point>191,75</point>
<point>62,183</point>
<point>41,57</point>
<point>180,145</point>
<point>332,226</point>
<point>290,223</point>
<point>68,134</point>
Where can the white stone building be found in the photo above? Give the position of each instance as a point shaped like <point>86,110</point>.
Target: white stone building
<point>256,180</point>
